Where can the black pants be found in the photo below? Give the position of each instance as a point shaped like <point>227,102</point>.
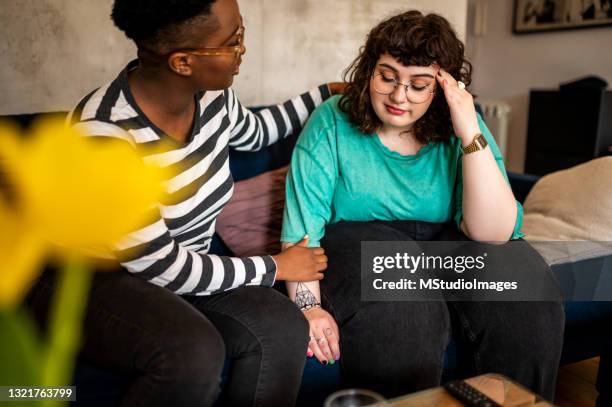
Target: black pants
<point>396,347</point>
<point>178,346</point>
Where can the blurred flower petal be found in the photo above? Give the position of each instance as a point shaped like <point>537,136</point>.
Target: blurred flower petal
<point>77,194</point>
<point>85,193</point>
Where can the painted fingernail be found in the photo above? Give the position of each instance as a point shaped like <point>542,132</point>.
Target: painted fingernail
<point>337,357</point>
<point>445,82</point>
<point>332,361</point>
<point>325,362</point>
<point>309,353</point>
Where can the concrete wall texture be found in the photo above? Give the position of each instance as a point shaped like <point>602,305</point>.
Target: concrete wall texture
<point>55,51</point>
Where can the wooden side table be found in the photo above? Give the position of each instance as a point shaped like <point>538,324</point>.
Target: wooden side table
<point>498,387</point>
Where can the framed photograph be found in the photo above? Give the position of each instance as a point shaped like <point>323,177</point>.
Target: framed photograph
<point>532,16</point>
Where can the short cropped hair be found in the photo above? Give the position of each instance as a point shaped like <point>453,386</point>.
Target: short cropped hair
<point>160,25</point>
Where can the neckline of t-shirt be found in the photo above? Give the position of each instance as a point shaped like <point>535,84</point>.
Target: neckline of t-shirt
<point>394,154</point>
<point>125,87</point>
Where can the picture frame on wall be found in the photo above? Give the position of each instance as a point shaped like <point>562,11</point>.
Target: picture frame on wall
<point>531,16</point>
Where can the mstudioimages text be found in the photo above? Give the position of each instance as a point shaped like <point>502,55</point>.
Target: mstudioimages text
<point>410,263</point>
<point>439,284</point>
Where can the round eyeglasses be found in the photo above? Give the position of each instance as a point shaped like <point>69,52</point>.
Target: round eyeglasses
<point>385,84</point>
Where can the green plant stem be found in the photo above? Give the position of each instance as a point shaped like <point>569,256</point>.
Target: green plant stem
<point>67,310</point>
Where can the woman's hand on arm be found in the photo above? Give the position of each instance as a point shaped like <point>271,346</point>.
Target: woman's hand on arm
<point>300,263</point>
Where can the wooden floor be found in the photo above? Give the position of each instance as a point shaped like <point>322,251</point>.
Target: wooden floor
<point>576,384</point>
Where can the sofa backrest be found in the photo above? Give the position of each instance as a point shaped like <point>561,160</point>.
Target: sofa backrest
<point>245,165</point>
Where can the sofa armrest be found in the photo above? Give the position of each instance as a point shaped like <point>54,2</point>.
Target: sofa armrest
<point>521,184</point>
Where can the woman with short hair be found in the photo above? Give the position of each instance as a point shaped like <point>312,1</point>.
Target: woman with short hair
<point>175,313</point>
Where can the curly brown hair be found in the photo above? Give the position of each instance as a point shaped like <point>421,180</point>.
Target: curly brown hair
<point>413,39</point>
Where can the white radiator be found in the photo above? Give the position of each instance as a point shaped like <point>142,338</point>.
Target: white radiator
<point>497,116</point>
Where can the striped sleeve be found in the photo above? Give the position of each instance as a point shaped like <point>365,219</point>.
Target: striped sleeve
<point>152,254</point>
<point>254,131</point>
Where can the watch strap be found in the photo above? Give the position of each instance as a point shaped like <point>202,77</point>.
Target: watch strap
<point>478,143</point>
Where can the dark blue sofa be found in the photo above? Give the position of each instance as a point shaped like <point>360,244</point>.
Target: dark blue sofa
<point>588,330</point>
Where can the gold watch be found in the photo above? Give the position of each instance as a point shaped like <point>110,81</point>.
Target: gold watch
<point>478,143</point>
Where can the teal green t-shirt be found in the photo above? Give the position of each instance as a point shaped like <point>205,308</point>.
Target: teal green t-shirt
<point>339,174</point>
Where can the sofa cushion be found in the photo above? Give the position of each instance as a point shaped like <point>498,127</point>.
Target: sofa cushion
<point>572,205</point>
<point>250,223</point>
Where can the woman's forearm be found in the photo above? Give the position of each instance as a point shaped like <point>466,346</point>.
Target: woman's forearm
<point>489,207</point>
<point>304,294</point>
<point>309,291</point>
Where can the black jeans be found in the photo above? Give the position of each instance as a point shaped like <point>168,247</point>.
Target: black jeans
<point>396,347</point>
<point>178,345</point>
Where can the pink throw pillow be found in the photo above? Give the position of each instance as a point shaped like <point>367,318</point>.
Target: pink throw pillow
<point>250,224</point>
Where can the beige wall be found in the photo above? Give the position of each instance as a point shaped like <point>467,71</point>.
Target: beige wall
<point>299,44</point>
<point>507,65</point>
<point>55,51</point>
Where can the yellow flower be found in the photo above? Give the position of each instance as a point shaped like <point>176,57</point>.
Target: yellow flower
<point>20,256</point>
<point>21,250</point>
<point>75,193</point>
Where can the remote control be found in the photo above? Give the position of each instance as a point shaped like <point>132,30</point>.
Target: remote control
<point>468,395</point>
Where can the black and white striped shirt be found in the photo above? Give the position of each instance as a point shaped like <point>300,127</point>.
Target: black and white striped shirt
<point>172,252</point>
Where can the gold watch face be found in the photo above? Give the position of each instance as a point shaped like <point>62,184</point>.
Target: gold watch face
<point>482,141</point>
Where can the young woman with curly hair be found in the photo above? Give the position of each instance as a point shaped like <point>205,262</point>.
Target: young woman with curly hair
<point>404,156</point>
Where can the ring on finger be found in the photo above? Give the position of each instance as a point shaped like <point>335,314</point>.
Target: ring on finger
<point>321,341</point>
<point>461,85</point>
<point>328,332</point>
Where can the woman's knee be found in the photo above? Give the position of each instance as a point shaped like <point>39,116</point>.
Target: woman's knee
<point>182,368</point>
<point>533,329</point>
<point>548,329</point>
<point>403,325</point>
<point>394,346</point>
<point>195,353</point>
<point>273,318</point>
<point>287,323</point>
<point>296,322</point>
